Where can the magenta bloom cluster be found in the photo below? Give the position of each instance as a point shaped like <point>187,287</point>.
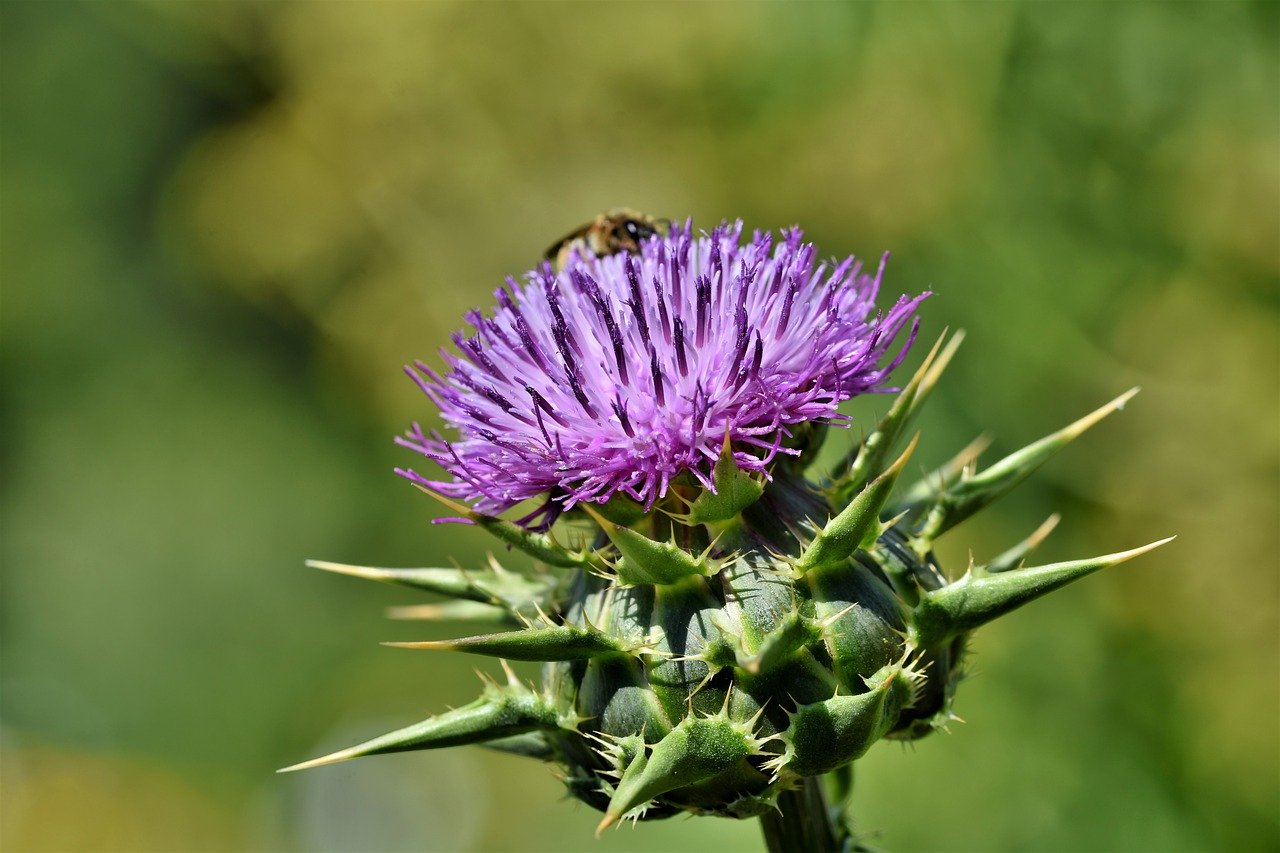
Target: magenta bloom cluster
<point>619,373</point>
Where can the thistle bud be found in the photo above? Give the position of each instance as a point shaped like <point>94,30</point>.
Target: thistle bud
<point>719,624</point>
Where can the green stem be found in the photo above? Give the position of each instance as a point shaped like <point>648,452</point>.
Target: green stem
<point>802,823</point>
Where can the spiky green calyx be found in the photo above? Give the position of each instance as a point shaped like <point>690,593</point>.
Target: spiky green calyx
<point>979,597</point>
<point>698,749</point>
<point>823,736</point>
<point>712,654</point>
<point>645,561</point>
<point>501,713</point>
<point>858,525</point>
<point>734,491</point>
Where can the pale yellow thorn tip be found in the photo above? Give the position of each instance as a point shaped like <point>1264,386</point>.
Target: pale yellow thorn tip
<point>512,680</point>
<point>906,454</point>
<point>1042,532</point>
<point>608,821</point>
<point>416,611</point>
<point>599,519</point>
<point>333,758</point>
<point>425,644</point>
<point>1126,396</point>
<point>368,572</point>
<point>448,502</point>
<point>1098,414</point>
<point>928,359</point>
<point>893,522</point>
<point>971,451</point>
<point>934,372</point>
<point>1125,556</point>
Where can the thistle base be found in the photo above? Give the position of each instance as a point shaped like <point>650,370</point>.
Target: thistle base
<point>802,822</point>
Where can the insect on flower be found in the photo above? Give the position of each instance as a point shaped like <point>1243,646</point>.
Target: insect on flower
<point>619,230</point>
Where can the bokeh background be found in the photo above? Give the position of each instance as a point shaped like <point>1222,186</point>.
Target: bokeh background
<point>227,225</point>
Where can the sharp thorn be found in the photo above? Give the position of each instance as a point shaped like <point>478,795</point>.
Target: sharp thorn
<point>444,645</point>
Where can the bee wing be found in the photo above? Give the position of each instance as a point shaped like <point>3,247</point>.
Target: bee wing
<point>553,251</point>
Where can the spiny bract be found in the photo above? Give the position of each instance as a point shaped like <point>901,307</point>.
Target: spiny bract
<point>715,626</point>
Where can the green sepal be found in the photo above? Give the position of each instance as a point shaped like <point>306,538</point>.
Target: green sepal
<point>1012,559</point>
<point>863,622</point>
<point>755,805</point>
<point>962,499</point>
<point>451,611</point>
<point>695,750</point>
<point>530,745</point>
<point>493,586</point>
<point>923,493</point>
<point>857,525</point>
<point>792,633</point>
<point>618,751</point>
<point>550,643</point>
<point>735,490</point>
<point>622,509</point>
<point>616,695</point>
<point>900,574</point>
<point>647,561</point>
<point>500,713</point>
<point>454,583</point>
<point>868,460</point>
<point>827,735</point>
<point>540,546</point>
<point>972,601</point>
<point>681,678</point>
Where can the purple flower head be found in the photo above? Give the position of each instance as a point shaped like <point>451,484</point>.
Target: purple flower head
<point>619,373</point>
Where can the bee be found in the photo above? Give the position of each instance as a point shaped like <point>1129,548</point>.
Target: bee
<point>619,230</point>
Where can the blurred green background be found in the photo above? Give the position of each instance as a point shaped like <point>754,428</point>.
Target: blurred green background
<point>227,225</point>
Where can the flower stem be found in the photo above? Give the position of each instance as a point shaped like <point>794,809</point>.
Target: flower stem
<point>802,822</point>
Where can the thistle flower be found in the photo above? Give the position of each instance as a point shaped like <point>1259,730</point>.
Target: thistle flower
<point>620,373</point>
<point>720,634</point>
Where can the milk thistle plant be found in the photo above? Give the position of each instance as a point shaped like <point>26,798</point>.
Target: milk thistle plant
<point>723,630</point>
